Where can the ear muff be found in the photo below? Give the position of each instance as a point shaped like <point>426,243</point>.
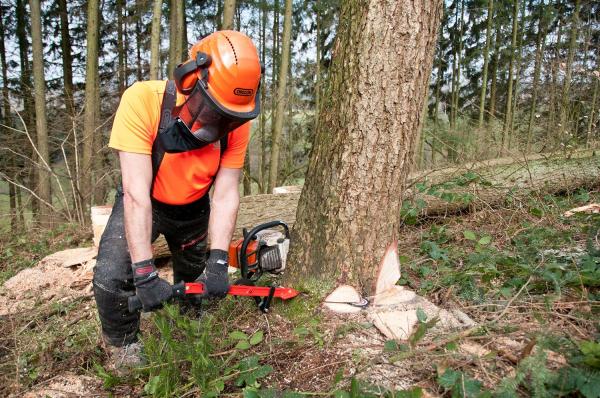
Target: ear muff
<point>186,76</point>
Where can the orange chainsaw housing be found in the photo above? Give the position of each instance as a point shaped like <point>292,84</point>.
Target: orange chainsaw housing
<point>235,247</point>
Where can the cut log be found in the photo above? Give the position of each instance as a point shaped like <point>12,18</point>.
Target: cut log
<point>503,178</point>
<point>100,216</point>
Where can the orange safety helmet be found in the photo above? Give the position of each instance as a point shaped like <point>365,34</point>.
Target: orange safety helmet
<point>226,65</point>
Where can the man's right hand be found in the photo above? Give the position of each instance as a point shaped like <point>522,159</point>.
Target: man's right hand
<point>149,288</point>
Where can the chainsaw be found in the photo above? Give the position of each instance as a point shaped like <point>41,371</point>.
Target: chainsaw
<point>261,250</point>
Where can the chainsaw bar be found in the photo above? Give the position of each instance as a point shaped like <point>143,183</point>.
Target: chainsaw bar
<point>283,293</point>
<point>266,292</point>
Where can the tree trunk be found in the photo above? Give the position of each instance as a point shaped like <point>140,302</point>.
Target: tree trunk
<point>506,130</point>
<point>318,60</point>
<point>494,71</point>
<point>155,41</point>
<point>281,97</point>
<point>91,89</point>
<point>262,120</point>
<point>183,44</point>
<point>43,191</point>
<point>7,133</point>
<point>67,58</point>
<point>174,38</point>
<point>591,120</point>
<point>565,130</point>
<point>486,57</point>
<point>26,94</point>
<point>539,50</point>
<point>228,13</point>
<point>348,210</point>
<point>138,39</point>
<point>120,48</point>
<point>518,66</point>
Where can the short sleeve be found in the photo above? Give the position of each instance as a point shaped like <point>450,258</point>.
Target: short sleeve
<point>135,120</point>
<point>237,144</point>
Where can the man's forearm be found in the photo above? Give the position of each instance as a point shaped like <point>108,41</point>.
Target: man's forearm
<point>221,225</point>
<point>138,226</point>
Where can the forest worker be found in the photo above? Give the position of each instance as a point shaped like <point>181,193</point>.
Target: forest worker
<point>175,140</point>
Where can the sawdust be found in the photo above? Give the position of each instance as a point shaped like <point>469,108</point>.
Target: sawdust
<point>66,274</point>
<point>67,385</point>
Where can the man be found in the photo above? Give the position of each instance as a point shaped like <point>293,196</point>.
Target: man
<point>175,140</point>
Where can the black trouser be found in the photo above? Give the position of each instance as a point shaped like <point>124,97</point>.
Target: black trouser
<point>185,229</point>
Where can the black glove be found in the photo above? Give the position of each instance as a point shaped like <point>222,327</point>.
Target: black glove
<point>214,277</point>
<point>150,289</point>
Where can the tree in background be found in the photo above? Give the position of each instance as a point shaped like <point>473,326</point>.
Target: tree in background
<point>348,209</point>
<point>155,41</point>
<point>228,13</point>
<point>280,98</point>
<point>91,98</point>
<point>43,168</point>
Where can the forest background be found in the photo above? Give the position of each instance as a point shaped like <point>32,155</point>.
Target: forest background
<point>506,142</point>
<point>509,77</point>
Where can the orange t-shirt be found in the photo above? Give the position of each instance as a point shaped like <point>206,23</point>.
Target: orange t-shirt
<point>182,177</point>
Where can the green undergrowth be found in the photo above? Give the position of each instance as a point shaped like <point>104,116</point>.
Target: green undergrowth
<point>52,338</point>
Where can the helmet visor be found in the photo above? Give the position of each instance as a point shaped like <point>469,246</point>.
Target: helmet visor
<point>201,109</point>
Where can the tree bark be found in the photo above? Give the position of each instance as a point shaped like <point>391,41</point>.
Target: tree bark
<point>494,71</point>
<point>592,117</point>
<point>183,44</point>
<point>121,68</point>
<point>348,210</point>
<point>174,38</point>
<point>539,50</point>
<point>67,58</point>
<point>91,90</point>
<point>506,130</point>
<point>228,13</point>
<point>43,191</point>
<point>281,97</point>
<point>155,41</point>
<point>486,57</point>
<point>262,120</point>
<point>7,133</point>
<point>138,39</point>
<point>565,129</point>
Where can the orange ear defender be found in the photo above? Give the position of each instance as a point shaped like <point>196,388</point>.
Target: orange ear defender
<point>186,74</point>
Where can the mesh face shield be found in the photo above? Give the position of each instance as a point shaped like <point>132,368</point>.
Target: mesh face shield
<point>215,120</point>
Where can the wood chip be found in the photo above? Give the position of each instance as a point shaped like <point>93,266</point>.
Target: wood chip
<point>389,270</point>
<point>336,301</point>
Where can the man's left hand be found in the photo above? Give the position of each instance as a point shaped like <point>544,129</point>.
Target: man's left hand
<point>214,277</point>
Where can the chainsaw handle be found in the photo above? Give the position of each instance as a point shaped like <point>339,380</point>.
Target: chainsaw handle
<point>135,304</point>
<point>250,235</point>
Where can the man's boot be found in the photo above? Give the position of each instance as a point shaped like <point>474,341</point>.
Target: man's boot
<point>123,360</point>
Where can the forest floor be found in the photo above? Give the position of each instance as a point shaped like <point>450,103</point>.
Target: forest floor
<point>528,275</point>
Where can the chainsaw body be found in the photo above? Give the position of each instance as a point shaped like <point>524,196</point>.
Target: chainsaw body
<point>262,249</point>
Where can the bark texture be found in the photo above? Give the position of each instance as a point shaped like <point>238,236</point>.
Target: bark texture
<point>39,87</point>
<point>228,13</point>
<point>348,210</point>
<point>281,98</point>
<point>155,41</point>
<point>91,96</point>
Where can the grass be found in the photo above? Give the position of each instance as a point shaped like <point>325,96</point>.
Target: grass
<point>523,272</point>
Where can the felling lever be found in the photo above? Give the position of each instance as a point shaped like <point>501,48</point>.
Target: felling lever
<point>267,293</point>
